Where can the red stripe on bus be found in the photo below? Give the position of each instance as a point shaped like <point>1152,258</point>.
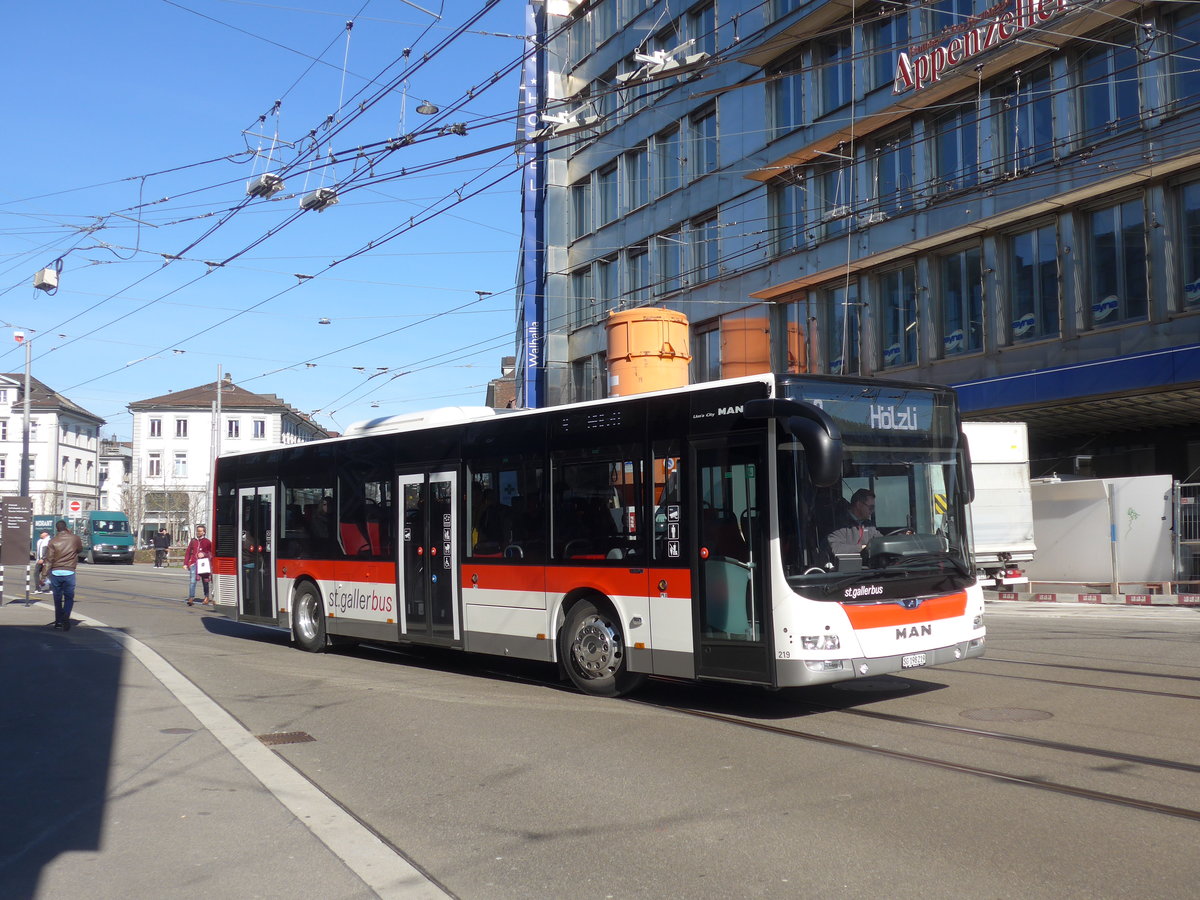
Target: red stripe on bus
<point>881,615</point>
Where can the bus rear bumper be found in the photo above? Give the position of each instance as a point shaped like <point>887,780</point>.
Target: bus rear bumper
<point>799,672</point>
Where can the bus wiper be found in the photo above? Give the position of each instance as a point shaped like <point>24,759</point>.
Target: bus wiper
<point>903,561</point>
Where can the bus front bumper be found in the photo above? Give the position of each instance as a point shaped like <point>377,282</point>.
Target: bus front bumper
<point>801,672</point>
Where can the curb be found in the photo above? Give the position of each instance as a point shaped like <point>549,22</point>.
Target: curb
<point>1191,601</point>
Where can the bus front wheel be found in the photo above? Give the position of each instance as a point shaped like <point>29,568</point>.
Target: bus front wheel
<point>592,648</point>
<point>308,619</point>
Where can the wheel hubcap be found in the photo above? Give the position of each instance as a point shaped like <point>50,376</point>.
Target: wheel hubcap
<point>597,648</point>
<point>305,622</point>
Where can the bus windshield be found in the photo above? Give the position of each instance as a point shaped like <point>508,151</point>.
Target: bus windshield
<point>896,514</point>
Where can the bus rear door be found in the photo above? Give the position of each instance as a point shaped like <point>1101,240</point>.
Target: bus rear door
<point>256,554</point>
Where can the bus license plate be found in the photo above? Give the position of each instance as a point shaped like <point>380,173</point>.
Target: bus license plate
<point>912,661</point>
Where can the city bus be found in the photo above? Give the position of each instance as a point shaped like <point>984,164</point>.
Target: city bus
<point>683,533</point>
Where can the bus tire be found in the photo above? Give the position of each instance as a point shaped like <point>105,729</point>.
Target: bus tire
<point>592,649</point>
<point>308,619</point>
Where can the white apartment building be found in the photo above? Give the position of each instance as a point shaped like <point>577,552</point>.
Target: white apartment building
<point>116,469</point>
<point>64,443</point>
<point>176,437</point>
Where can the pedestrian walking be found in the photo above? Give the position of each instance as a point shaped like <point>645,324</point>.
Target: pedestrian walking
<point>62,556</point>
<point>198,559</point>
<point>42,573</point>
<point>162,543</point>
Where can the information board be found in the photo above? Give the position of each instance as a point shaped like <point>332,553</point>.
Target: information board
<point>16,521</point>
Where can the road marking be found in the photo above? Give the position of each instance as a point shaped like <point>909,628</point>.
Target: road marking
<point>385,871</point>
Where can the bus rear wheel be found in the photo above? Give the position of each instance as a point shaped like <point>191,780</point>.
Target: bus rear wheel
<point>591,646</point>
<point>308,619</point>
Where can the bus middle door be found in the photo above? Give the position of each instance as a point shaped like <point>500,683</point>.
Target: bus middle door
<point>428,570</point>
<point>256,554</point>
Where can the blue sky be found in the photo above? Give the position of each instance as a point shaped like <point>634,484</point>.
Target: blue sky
<point>100,95</point>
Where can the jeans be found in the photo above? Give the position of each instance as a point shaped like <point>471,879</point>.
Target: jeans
<point>63,587</point>
<point>160,556</point>
<point>204,582</point>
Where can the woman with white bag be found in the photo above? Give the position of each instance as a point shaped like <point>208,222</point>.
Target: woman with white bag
<point>198,560</point>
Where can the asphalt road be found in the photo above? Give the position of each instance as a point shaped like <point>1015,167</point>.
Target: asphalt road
<point>1062,764</point>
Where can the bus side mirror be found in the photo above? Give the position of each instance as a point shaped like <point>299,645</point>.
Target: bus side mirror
<point>812,427</point>
<point>966,478</point>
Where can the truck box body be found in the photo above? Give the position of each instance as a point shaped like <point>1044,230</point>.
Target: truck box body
<point>1002,512</point>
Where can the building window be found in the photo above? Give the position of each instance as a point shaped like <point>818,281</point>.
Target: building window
<point>702,29</point>
<point>834,187</point>
<point>33,430</point>
<point>589,378</point>
<point>1108,88</point>
<point>1118,263</point>
<point>667,153</point>
<point>608,285</point>
<point>792,338</point>
<point>637,179</point>
<point>233,428</point>
<point>834,61</point>
<point>705,251</point>
<point>156,428</point>
<point>785,94</point>
<point>1190,219</point>
<point>1033,284</point>
<point>3,466</point>
<point>892,176</point>
<point>606,193</point>
<point>581,43</point>
<point>956,148</point>
<point>841,330</point>
<point>3,429</point>
<point>1185,67</point>
<point>637,261</point>
<point>702,141</point>
<point>3,395</point>
<point>898,323</point>
<point>181,428</point>
<point>961,283</point>
<point>942,14</point>
<point>583,298</point>
<point>180,470</point>
<point>260,428</point>
<point>154,468</point>
<point>1024,115</point>
<point>887,38</point>
<point>670,261</point>
<point>706,353</point>
<point>786,208</point>
<point>581,208</point>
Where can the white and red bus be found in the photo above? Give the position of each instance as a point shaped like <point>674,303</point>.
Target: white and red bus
<point>683,533</point>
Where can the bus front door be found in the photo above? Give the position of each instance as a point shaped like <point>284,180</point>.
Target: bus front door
<point>256,554</point>
<point>428,573</point>
<point>731,549</point>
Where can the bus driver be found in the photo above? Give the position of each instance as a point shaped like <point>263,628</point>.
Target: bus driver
<point>857,530</point>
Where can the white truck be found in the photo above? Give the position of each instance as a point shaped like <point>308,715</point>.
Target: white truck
<point>1002,513</point>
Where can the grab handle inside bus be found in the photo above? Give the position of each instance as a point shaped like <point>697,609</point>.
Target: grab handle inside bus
<point>812,427</point>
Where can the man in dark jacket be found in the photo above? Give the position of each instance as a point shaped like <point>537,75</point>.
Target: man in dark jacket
<point>62,556</point>
<point>162,543</point>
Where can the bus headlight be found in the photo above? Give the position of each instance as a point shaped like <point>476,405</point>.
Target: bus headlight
<point>820,642</point>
